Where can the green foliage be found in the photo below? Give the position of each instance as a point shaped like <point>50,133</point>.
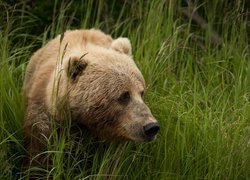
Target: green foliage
<point>197,89</point>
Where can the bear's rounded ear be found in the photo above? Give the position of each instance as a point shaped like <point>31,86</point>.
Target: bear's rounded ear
<point>75,66</point>
<point>122,45</point>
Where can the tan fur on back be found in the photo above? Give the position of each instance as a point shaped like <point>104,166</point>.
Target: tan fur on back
<point>44,60</point>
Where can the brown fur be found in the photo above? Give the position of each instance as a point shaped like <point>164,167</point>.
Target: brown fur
<point>87,71</point>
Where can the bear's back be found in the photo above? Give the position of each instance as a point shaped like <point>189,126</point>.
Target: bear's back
<point>42,63</point>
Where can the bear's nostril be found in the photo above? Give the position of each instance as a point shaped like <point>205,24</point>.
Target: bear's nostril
<point>151,129</point>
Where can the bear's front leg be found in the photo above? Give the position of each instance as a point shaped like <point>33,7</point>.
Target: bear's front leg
<point>37,131</point>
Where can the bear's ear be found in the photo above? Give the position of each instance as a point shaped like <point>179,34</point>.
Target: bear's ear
<point>75,66</point>
<point>122,45</point>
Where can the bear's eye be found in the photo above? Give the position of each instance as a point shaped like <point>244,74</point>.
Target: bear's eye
<point>124,98</point>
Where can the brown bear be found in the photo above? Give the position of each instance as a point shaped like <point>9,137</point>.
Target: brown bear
<point>96,78</point>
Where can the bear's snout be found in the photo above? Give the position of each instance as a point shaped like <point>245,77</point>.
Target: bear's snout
<point>150,130</point>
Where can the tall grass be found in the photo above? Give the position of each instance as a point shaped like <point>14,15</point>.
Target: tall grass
<point>198,91</point>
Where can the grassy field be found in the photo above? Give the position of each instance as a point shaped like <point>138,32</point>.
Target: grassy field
<point>198,89</point>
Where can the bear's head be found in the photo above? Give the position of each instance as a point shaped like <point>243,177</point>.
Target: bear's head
<point>106,92</point>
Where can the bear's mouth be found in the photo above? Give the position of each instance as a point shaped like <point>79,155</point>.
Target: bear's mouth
<point>140,136</point>
<point>150,138</point>
<point>142,133</point>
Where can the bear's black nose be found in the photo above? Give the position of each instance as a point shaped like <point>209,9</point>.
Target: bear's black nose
<point>151,129</point>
